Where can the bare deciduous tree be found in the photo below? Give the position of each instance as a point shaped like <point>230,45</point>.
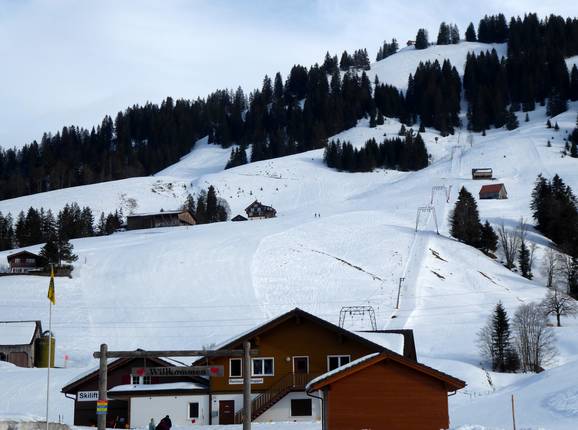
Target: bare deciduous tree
<point>510,242</point>
<point>550,264</point>
<point>535,341</point>
<point>559,304</point>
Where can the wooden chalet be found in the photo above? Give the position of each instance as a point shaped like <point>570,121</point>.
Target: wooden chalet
<point>294,348</point>
<point>493,191</point>
<point>482,173</point>
<point>134,400</point>
<point>385,391</point>
<point>18,342</point>
<point>258,210</point>
<point>238,218</point>
<point>160,219</point>
<point>25,261</point>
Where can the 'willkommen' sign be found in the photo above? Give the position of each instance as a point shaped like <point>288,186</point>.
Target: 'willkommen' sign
<point>179,371</point>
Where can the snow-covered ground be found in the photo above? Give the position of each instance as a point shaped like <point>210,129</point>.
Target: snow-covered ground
<point>191,287</point>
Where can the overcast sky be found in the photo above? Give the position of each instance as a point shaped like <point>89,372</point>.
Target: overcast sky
<point>73,61</point>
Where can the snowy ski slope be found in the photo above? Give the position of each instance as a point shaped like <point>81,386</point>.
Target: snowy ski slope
<point>191,287</point>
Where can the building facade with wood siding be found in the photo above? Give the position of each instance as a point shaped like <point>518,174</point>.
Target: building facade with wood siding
<point>482,173</point>
<point>385,391</point>
<point>293,349</point>
<point>25,261</point>
<point>160,219</point>
<point>18,342</point>
<point>493,191</point>
<point>126,391</point>
<point>258,210</point>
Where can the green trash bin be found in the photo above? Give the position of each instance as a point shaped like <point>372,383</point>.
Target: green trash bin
<point>42,350</point>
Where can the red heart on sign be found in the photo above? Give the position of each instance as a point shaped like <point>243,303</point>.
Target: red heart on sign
<point>140,371</point>
<point>214,370</point>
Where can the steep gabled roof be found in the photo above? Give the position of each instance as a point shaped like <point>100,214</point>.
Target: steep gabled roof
<point>19,332</point>
<point>22,253</point>
<point>299,313</point>
<point>452,383</point>
<point>492,188</point>
<point>112,364</point>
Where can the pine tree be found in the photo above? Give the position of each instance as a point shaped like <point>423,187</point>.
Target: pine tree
<point>50,251</point>
<point>524,261</point>
<point>421,39</point>
<point>488,238</point>
<point>211,209</point>
<point>465,221</point>
<point>65,249</point>
<point>444,34</point>
<point>511,121</point>
<point>501,338</point>
<point>471,33</point>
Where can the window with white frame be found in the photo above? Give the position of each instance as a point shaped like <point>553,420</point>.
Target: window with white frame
<point>263,367</point>
<point>235,367</point>
<point>141,380</point>
<point>335,361</point>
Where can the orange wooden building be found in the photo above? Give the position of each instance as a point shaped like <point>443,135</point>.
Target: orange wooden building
<point>385,391</point>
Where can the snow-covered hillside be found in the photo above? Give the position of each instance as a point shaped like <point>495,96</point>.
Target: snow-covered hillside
<point>190,287</point>
<point>395,69</point>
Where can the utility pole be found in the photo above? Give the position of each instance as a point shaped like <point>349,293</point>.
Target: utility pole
<point>102,384</point>
<point>247,385</point>
<point>513,413</point>
<point>399,292</point>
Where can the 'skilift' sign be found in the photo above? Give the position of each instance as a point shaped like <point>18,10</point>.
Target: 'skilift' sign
<point>179,371</point>
<point>87,396</point>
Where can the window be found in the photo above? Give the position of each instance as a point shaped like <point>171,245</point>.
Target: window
<point>139,380</point>
<point>235,368</point>
<point>263,367</point>
<point>301,408</point>
<point>335,361</point>
<point>193,410</point>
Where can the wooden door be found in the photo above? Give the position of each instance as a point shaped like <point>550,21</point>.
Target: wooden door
<point>18,358</point>
<point>226,412</point>
<point>300,364</point>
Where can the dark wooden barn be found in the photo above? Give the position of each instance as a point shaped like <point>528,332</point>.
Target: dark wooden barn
<point>259,210</point>
<point>18,342</point>
<point>25,261</point>
<point>482,173</point>
<point>493,191</point>
<point>385,391</point>
<point>160,219</point>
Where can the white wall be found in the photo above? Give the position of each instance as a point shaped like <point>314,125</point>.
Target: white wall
<point>238,398</point>
<point>142,409</point>
<point>281,411</point>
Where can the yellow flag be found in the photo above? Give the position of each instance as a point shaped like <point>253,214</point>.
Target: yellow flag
<point>51,295</point>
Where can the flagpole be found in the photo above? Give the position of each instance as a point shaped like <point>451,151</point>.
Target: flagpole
<point>49,351</point>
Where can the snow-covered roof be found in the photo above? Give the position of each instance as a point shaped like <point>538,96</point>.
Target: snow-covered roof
<point>392,341</point>
<point>341,369</point>
<point>173,212</point>
<point>171,386</point>
<point>17,332</point>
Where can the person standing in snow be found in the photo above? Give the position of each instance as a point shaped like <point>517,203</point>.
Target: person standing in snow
<point>152,425</point>
<point>164,424</point>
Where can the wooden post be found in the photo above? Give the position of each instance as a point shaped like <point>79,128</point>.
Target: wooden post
<point>102,384</point>
<point>247,385</point>
<point>513,413</point>
<point>399,292</point>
